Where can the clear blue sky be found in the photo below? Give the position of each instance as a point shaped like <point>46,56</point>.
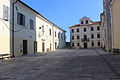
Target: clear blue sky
<point>66,13</point>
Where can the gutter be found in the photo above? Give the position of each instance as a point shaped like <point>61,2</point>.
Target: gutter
<point>13,4</point>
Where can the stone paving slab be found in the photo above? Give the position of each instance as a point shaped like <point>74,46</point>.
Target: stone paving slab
<point>66,64</point>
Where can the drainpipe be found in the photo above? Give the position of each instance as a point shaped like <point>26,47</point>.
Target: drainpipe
<point>13,4</point>
<point>112,38</point>
<point>53,38</point>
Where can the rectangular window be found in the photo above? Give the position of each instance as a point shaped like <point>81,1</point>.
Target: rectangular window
<point>72,37</point>
<point>92,36</point>
<point>85,37</point>
<point>20,19</point>
<point>59,35</point>
<point>50,32</point>
<point>55,45</point>
<point>98,28</point>
<point>85,30</point>
<point>72,30</point>
<point>78,37</point>
<point>72,44</point>
<point>77,30</point>
<point>81,22</point>
<point>5,12</point>
<point>98,43</point>
<point>55,33</point>
<point>43,28</point>
<point>86,21</point>
<point>78,44</point>
<point>92,44</point>
<point>98,35</point>
<point>31,24</point>
<point>92,29</point>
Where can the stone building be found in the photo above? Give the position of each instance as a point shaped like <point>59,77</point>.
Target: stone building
<point>87,34</point>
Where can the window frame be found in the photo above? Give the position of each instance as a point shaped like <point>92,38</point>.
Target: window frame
<point>20,19</point>
<point>98,36</point>
<point>72,30</point>
<point>31,24</point>
<point>78,30</point>
<point>92,28</point>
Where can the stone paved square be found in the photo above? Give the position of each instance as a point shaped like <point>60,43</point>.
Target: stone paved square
<point>65,64</point>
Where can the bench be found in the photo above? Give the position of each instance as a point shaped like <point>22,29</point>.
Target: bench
<point>116,51</point>
<point>4,56</point>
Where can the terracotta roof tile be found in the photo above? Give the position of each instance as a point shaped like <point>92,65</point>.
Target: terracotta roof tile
<point>76,25</point>
<point>98,22</point>
<point>93,23</point>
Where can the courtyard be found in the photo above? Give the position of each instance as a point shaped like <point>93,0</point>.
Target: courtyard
<point>65,64</point>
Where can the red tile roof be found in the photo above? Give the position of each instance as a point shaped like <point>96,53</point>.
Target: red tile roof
<point>76,25</point>
<point>93,23</point>
<point>98,22</point>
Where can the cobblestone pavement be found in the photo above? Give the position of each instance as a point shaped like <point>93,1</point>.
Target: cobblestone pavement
<point>66,64</point>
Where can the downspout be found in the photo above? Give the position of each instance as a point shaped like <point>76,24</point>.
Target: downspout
<point>53,38</point>
<point>111,23</point>
<point>13,54</point>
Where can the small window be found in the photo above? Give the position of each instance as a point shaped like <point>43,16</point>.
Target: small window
<point>92,29</point>
<point>50,32</point>
<point>55,45</point>
<point>72,44</point>
<point>78,37</point>
<point>92,44</point>
<point>5,12</point>
<point>85,37</point>
<point>86,21</point>
<point>43,28</point>
<point>98,35</point>
<point>81,22</point>
<point>72,37</point>
<point>98,28</point>
<point>85,29</point>
<point>59,35</point>
<point>92,36</point>
<point>72,30</point>
<point>31,24</point>
<point>55,33</point>
<point>20,19</point>
<point>98,43</point>
<point>78,44</point>
<point>78,30</point>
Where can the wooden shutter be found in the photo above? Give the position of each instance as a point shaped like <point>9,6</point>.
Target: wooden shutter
<point>18,18</point>
<point>23,20</point>
<point>5,12</point>
<point>31,24</point>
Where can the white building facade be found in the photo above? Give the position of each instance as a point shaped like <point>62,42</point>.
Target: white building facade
<point>26,31</point>
<point>87,34</point>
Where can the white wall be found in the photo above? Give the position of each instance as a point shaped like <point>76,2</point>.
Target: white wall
<point>4,29</point>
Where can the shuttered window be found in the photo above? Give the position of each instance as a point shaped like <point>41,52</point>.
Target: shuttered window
<point>31,24</point>
<point>50,32</point>
<point>43,29</point>
<point>20,19</point>
<point>5,12</point>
